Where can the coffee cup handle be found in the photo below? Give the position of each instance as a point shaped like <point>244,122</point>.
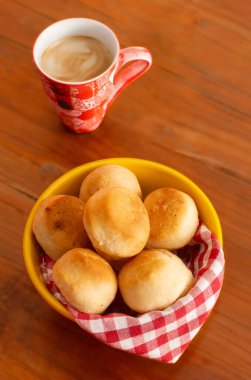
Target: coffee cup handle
<point>142,60</point>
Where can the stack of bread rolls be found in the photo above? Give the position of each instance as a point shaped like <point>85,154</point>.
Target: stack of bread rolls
<point>109,238</point>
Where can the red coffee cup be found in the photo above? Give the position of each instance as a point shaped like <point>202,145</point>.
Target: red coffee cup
<point>81,106</point>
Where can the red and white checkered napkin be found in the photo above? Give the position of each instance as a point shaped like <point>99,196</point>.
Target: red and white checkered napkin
<point>160,335</point>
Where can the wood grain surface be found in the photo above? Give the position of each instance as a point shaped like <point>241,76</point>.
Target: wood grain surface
<point>191,111</point>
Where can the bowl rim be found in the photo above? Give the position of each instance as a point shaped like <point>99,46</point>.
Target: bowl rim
<point>36,281</point>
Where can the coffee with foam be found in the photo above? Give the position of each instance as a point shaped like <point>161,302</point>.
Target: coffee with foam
<point>76,59</point>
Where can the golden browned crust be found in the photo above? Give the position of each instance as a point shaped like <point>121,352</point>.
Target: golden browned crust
<point>153,280</point>
<point>173,218</point>
<point>117,223</point>
<point>109,176</point>
<point>58,225</point>
<point>86,280</point>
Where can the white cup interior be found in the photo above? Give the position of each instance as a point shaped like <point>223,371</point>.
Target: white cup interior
<point>75,27</point>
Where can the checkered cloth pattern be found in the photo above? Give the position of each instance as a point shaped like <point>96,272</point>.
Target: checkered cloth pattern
<point>160,335</point>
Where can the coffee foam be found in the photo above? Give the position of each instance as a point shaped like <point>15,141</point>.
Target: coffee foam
<point>76,59</point>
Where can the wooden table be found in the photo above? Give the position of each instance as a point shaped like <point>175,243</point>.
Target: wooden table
<point>191,111</point>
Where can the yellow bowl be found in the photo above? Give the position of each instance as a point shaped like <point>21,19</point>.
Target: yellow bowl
<point>151,175</point>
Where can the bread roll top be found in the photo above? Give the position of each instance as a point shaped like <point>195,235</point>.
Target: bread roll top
<point>153,280</point>
<point>109,176</point>
<point>173,218</point>
<point>117,222</point>
<point>86,280</point>
<point>58,225</point>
